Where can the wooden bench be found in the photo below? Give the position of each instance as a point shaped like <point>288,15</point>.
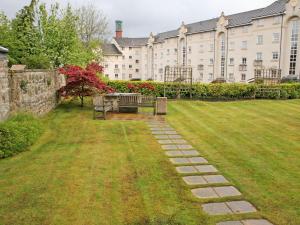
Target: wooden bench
<point>101,107</point>
<point>129,103</point>
<point>147,101</point>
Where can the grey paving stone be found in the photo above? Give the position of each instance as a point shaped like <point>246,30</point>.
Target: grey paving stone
<point>241,207</point>
<point>158,132</point>
<point>165,142</point>
<point>194,180</point>
<point>185,147</point>
<point>171,132</point>
<point>216,209</point>
<point>215,179</point>
<point>198,160</point>
<point>206,169</point>
<point>190,153</point>
<point>156,129</point>
<point>178,161</point>
<point>174,153</point>
<point>230,223</point>
<point>256,222</point>
<point>179,141</point>
<point>186,169</point>
<point>205,193</point>
<point>228,191</point>
<point>161,137</point>
<point>175,136</point>
<point>169,147</point>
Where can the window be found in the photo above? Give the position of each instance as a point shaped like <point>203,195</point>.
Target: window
<point>106,66</point>
<point>222,48</point>
<point>189,62</point>
<point>130,48</point>
<point>276,37</point>
<point>231,76</point>
<point>245,29</point>
<point>259,56</point>
<point>123,57</point>
<point>116,66</point>
<point>130,66</point>
<point>130,76</point>
<point>155,55</point>
<point>168,51</point>
<point>161,70</point>
<point>211,61</point>
<point>161,55</point>
<point>123,66</point>
<point>137,61</point>
<point>231,61</point>
<point>190,49</point>
<point>116,76</point>
<point>244,44</point>
<point>175,50</point>
<point>201,49</point>
<point>244,61</point>
<point>260,23</point>
<point>212,47</point>
<point>200,67</point>
<point>130,57</point>
<point>260,39</point>
<point>201,76</point>
<point>275,55</point>
<point>210,76</point>
<point>137,70</point>
<point>243,77</point>
<point>294,39</point>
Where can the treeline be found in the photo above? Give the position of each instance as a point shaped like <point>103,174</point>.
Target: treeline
<point>44,37</point>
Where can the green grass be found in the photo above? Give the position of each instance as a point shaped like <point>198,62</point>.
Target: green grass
<point>255,144</point>
<point>83,171</point>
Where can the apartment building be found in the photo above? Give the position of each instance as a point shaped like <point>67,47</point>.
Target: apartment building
<point>230,47</point>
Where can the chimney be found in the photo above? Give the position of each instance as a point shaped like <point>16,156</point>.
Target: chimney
<point>119,30</point>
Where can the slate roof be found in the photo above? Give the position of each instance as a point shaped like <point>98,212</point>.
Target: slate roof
<point>3,50</point>
<point>110,49</point>
<point>132,42</point>
<point>239,19</point>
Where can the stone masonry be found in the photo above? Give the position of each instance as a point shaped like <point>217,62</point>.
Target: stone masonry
<point>27,90</point>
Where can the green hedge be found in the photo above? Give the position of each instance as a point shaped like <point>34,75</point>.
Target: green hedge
<point>215,91</point>
<point>18,133</point>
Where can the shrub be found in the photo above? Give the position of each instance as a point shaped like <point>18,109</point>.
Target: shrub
<point>18,133</point>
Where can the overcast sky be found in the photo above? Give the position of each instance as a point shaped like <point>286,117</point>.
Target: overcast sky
<point>140,17</point>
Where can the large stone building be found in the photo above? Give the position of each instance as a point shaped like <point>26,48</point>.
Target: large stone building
<point>228,47</point>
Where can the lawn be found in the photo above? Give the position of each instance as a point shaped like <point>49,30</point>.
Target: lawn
<point>83,171</point>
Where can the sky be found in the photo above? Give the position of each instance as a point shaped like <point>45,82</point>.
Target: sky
<point>140,17</point>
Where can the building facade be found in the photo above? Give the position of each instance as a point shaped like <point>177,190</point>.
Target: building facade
<point>230,48</point>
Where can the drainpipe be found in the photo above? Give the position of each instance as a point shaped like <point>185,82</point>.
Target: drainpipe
<point>281,39</point>
<point>214,55</point>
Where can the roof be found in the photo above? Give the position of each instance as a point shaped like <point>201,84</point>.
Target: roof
<point>132,42</point>
<point>3,50</point>
<point>110,49</point>
<point>239,19</point>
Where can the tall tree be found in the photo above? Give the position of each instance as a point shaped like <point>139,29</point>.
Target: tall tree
<point>92,24</point>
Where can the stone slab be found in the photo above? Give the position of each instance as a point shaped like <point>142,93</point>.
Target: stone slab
<point>179,141</point>
<point>230,223</point>
<point>216,208</point>
<point>198,160</point>
<point>256,222</point>
<point>215,179</point>
<point>178,161</point>
<point>158,132</point>
<point>184,147</point>
<point>161,137</point>
<point>206,169</point>
<point>186,169</point>
<point>175,137</point>
<point>169,147</point>
<point>171,132</point>
<point>241,207</point>
<point>194,180</point>
<point>227,191</point>
<point>190,153</point>
<point>174,153</point>
<point>165,142</point>
<point>205,193</point>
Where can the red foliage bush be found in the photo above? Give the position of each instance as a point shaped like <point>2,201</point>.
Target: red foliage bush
<point>82,82</point>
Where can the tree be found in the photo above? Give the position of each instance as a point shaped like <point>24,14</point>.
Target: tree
<point>83,82</point>
<point>92,24</point>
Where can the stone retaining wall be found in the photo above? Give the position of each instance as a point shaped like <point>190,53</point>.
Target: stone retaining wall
<point>27,90</point>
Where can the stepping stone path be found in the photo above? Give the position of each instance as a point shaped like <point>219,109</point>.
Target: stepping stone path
<point>197,172</point>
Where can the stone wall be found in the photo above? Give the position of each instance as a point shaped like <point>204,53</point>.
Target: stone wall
<point>34,90</point>
<point>27,90</point>
<point>4,87</point>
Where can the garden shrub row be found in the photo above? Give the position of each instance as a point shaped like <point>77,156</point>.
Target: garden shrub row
<point>212,91</point>
<point>18,133</point>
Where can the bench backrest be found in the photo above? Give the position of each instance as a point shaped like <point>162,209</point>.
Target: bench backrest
<point>98,100</point>
<point>128,100</point>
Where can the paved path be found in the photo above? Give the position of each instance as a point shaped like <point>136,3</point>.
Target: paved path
<point>203,179</point>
